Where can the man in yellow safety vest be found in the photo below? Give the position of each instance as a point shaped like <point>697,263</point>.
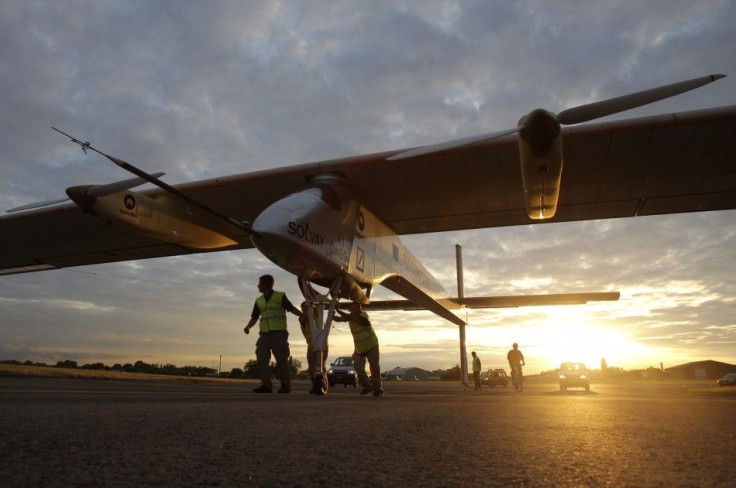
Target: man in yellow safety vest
<point>271,308</point>
<point>366,347</point>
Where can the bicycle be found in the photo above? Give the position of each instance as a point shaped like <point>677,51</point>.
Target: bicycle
<point>517,378</point>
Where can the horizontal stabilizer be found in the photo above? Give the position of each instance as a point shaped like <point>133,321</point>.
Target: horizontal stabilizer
<point>537,300</point>
<point>504,301</point>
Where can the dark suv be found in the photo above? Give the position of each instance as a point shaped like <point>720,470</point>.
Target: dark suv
<point>342,371</point>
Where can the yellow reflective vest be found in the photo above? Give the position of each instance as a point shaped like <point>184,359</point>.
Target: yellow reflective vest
<point>273,315</point>
<point>364,337</point>
<point>476,364</point>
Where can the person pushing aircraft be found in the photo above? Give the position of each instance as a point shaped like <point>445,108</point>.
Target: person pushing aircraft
<point>366,347</point>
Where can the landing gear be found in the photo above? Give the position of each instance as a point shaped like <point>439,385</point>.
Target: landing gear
<point>319,326</point>
<point>320,385</point>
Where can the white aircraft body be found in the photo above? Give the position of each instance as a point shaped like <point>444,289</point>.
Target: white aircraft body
<point>336,223</point>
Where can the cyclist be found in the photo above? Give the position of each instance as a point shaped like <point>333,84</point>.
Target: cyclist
<point>516,361</point>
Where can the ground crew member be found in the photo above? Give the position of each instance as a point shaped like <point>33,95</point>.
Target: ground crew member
<point>476,371</point>
<point>366,347</point>
<point>271,308</point>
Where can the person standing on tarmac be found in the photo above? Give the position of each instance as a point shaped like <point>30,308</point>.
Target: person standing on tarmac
<point>476,371</point>
<point>271,308</point>
<point>366,347</point>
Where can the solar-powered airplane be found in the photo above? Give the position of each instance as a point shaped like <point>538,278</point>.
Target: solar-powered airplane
<point>336,223</point>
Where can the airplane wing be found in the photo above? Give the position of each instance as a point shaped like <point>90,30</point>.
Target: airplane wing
<point>682,162</point>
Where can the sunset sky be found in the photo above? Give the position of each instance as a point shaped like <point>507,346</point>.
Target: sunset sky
<point>205,89</point>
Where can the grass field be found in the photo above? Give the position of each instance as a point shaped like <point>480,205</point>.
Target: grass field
<point>94,374</point>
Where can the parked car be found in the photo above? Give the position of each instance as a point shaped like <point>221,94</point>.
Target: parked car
<point>495,377</point>
<point>728,380</point>
<point>342,371</point>
<point>573,375</point>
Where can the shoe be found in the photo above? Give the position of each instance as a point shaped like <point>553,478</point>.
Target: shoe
<point>378,393</point>
<point>365,391</point>
<point>262,389</point>
<point>284,389</point>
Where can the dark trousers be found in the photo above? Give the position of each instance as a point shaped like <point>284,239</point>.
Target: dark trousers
<point>276,341</point>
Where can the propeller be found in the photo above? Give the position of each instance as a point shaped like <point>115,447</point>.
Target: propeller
<point>90,191</point>
<point>575,115</point>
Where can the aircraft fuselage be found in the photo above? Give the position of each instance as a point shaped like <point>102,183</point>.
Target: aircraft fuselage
<point>323,232</point>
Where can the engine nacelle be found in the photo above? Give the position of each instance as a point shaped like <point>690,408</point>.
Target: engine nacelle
<point>540,155</point>
<point>161,218</point>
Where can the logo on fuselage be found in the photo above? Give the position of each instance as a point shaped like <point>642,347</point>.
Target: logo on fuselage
<point>304,232</point>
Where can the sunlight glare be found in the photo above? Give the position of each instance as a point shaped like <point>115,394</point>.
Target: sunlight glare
<point>569,334</point>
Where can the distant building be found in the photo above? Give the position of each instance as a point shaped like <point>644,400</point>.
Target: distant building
<point>407,374</point>
<point>701,370</point>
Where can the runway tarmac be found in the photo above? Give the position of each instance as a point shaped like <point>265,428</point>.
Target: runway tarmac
<point>61,432</point>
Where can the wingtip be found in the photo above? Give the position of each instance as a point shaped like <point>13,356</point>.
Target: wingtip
<point>717,77</point>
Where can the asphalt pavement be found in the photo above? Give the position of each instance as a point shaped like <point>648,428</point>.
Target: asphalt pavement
<point>64,432</point>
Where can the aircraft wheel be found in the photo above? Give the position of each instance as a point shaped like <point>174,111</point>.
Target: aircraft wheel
<point>320,385</point>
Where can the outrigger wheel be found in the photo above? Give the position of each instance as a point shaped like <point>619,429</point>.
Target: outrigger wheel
<point>320,385</point>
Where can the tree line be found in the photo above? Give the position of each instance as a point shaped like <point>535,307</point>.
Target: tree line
<point>249,370</point>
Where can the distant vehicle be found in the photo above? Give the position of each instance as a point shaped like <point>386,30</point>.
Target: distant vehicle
<point>573,375</point>
<point>728,380</point>
<point>342,370</point>
<point>494,378</point>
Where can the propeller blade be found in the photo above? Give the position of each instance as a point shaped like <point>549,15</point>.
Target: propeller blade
<point>612,106</point>
<point>110,188</point>
<point>444,146</point>
<point>37,205</point>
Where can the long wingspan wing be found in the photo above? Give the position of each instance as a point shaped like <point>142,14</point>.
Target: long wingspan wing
<point>663,164</point>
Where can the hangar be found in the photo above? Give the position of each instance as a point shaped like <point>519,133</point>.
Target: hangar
<point>701,370</point>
